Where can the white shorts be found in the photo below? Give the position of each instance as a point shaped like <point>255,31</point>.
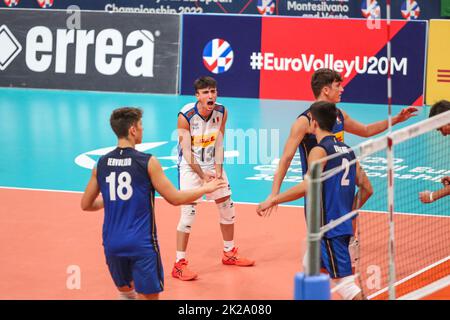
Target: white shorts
<point>188,180</point>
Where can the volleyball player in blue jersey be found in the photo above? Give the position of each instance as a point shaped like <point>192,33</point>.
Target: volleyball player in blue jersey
<point>427,196</point>
<point>127,180</point>
<point>338,196</point>
<point>326,85</point>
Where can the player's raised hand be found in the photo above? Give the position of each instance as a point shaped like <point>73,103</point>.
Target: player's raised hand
<point>214,185</point>
<point>405,114</point>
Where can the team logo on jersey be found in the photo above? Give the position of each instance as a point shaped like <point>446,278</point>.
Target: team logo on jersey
<point>205,140</point>
<point>370,9</point>
<point>11,3</point>
<point>45,3</point>
<point>195,125</point>
<point>339,136</point>
<point>266,7</point>
<point>216,120</point>
<point>218,56</point>
<point>410,10</point>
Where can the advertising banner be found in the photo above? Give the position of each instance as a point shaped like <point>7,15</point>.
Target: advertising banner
<point>369,9</point>
<point>220,46</point>
<point>89,51</point>
<point>438,67</point>
<point>400,9</point>
<point>445,8</point>
<point>354,48</point>
<point>274,57</point>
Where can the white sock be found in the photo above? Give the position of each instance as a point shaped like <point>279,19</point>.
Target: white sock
<point>228,245</point>
<point>181,255</point>
<point>129,295</point>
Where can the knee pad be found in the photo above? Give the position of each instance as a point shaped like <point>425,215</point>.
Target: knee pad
<point>347,288</point>
<point>187,218</point>
<point>226,211</point>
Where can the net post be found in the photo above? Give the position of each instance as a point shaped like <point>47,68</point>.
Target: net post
<point>313,221</point>
<point>391,251</point>
<point>311,284</point>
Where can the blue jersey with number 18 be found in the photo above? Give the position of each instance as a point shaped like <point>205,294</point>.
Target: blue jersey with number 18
<point>129,227</point>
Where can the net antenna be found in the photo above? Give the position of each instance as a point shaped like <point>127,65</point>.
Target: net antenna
<point>390,157</point>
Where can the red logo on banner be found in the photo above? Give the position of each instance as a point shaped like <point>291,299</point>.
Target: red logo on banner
<point>45,3</point>
<point>11,3</point>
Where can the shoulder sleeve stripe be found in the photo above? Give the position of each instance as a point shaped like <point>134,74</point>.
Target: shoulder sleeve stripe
<point>183,115</point>
<point>188,114</point>
<point>220,108</point>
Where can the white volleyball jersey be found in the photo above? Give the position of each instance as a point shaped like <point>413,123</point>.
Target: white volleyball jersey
<point>204,133</point>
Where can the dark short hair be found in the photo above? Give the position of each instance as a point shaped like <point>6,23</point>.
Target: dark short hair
<point>325,114</point>
<point>439,107</point>
<point>322,78</point>
<point>122,119</point>
<point>204,82</point>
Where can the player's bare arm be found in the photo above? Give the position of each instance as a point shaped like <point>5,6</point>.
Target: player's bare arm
<point>369,130</point>
<point>219,150</point>
<point>298,131</point>
<point>295,192</point>
<point>175,197</point>
<point>365,189</point>
<point>431,196</point>
<point>91,200</point>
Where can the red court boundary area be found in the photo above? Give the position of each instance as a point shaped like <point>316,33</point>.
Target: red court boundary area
<point>44,233</point>
<point>421,251</point>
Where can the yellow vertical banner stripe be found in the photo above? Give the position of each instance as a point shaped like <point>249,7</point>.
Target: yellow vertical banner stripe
<point>438,67</point>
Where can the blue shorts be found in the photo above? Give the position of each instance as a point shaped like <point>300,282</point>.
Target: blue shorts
<point>145,271</point>
<point>336,256</point>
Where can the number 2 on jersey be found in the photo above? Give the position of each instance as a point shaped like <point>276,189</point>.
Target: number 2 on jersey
<point>124,184</point>
<point>346,166</point>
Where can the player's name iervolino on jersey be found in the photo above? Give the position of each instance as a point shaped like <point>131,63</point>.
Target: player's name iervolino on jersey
<point>112,162</point>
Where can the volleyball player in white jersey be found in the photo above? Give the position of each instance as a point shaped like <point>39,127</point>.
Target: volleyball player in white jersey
<point>201,128</point>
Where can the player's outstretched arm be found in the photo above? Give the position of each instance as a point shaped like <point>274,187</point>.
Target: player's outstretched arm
<point>298,131</point>
<point>91,200</point>
<point>294,193</point>
<point>170,193</point>
<point>369,130</point>
<point>428,196</point>
<point>365,189</point>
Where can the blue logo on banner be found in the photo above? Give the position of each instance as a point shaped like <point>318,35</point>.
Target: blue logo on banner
<point>410,10</point>
<point>218,56</point>
<point>266,7</point>
<point>370,9</point>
